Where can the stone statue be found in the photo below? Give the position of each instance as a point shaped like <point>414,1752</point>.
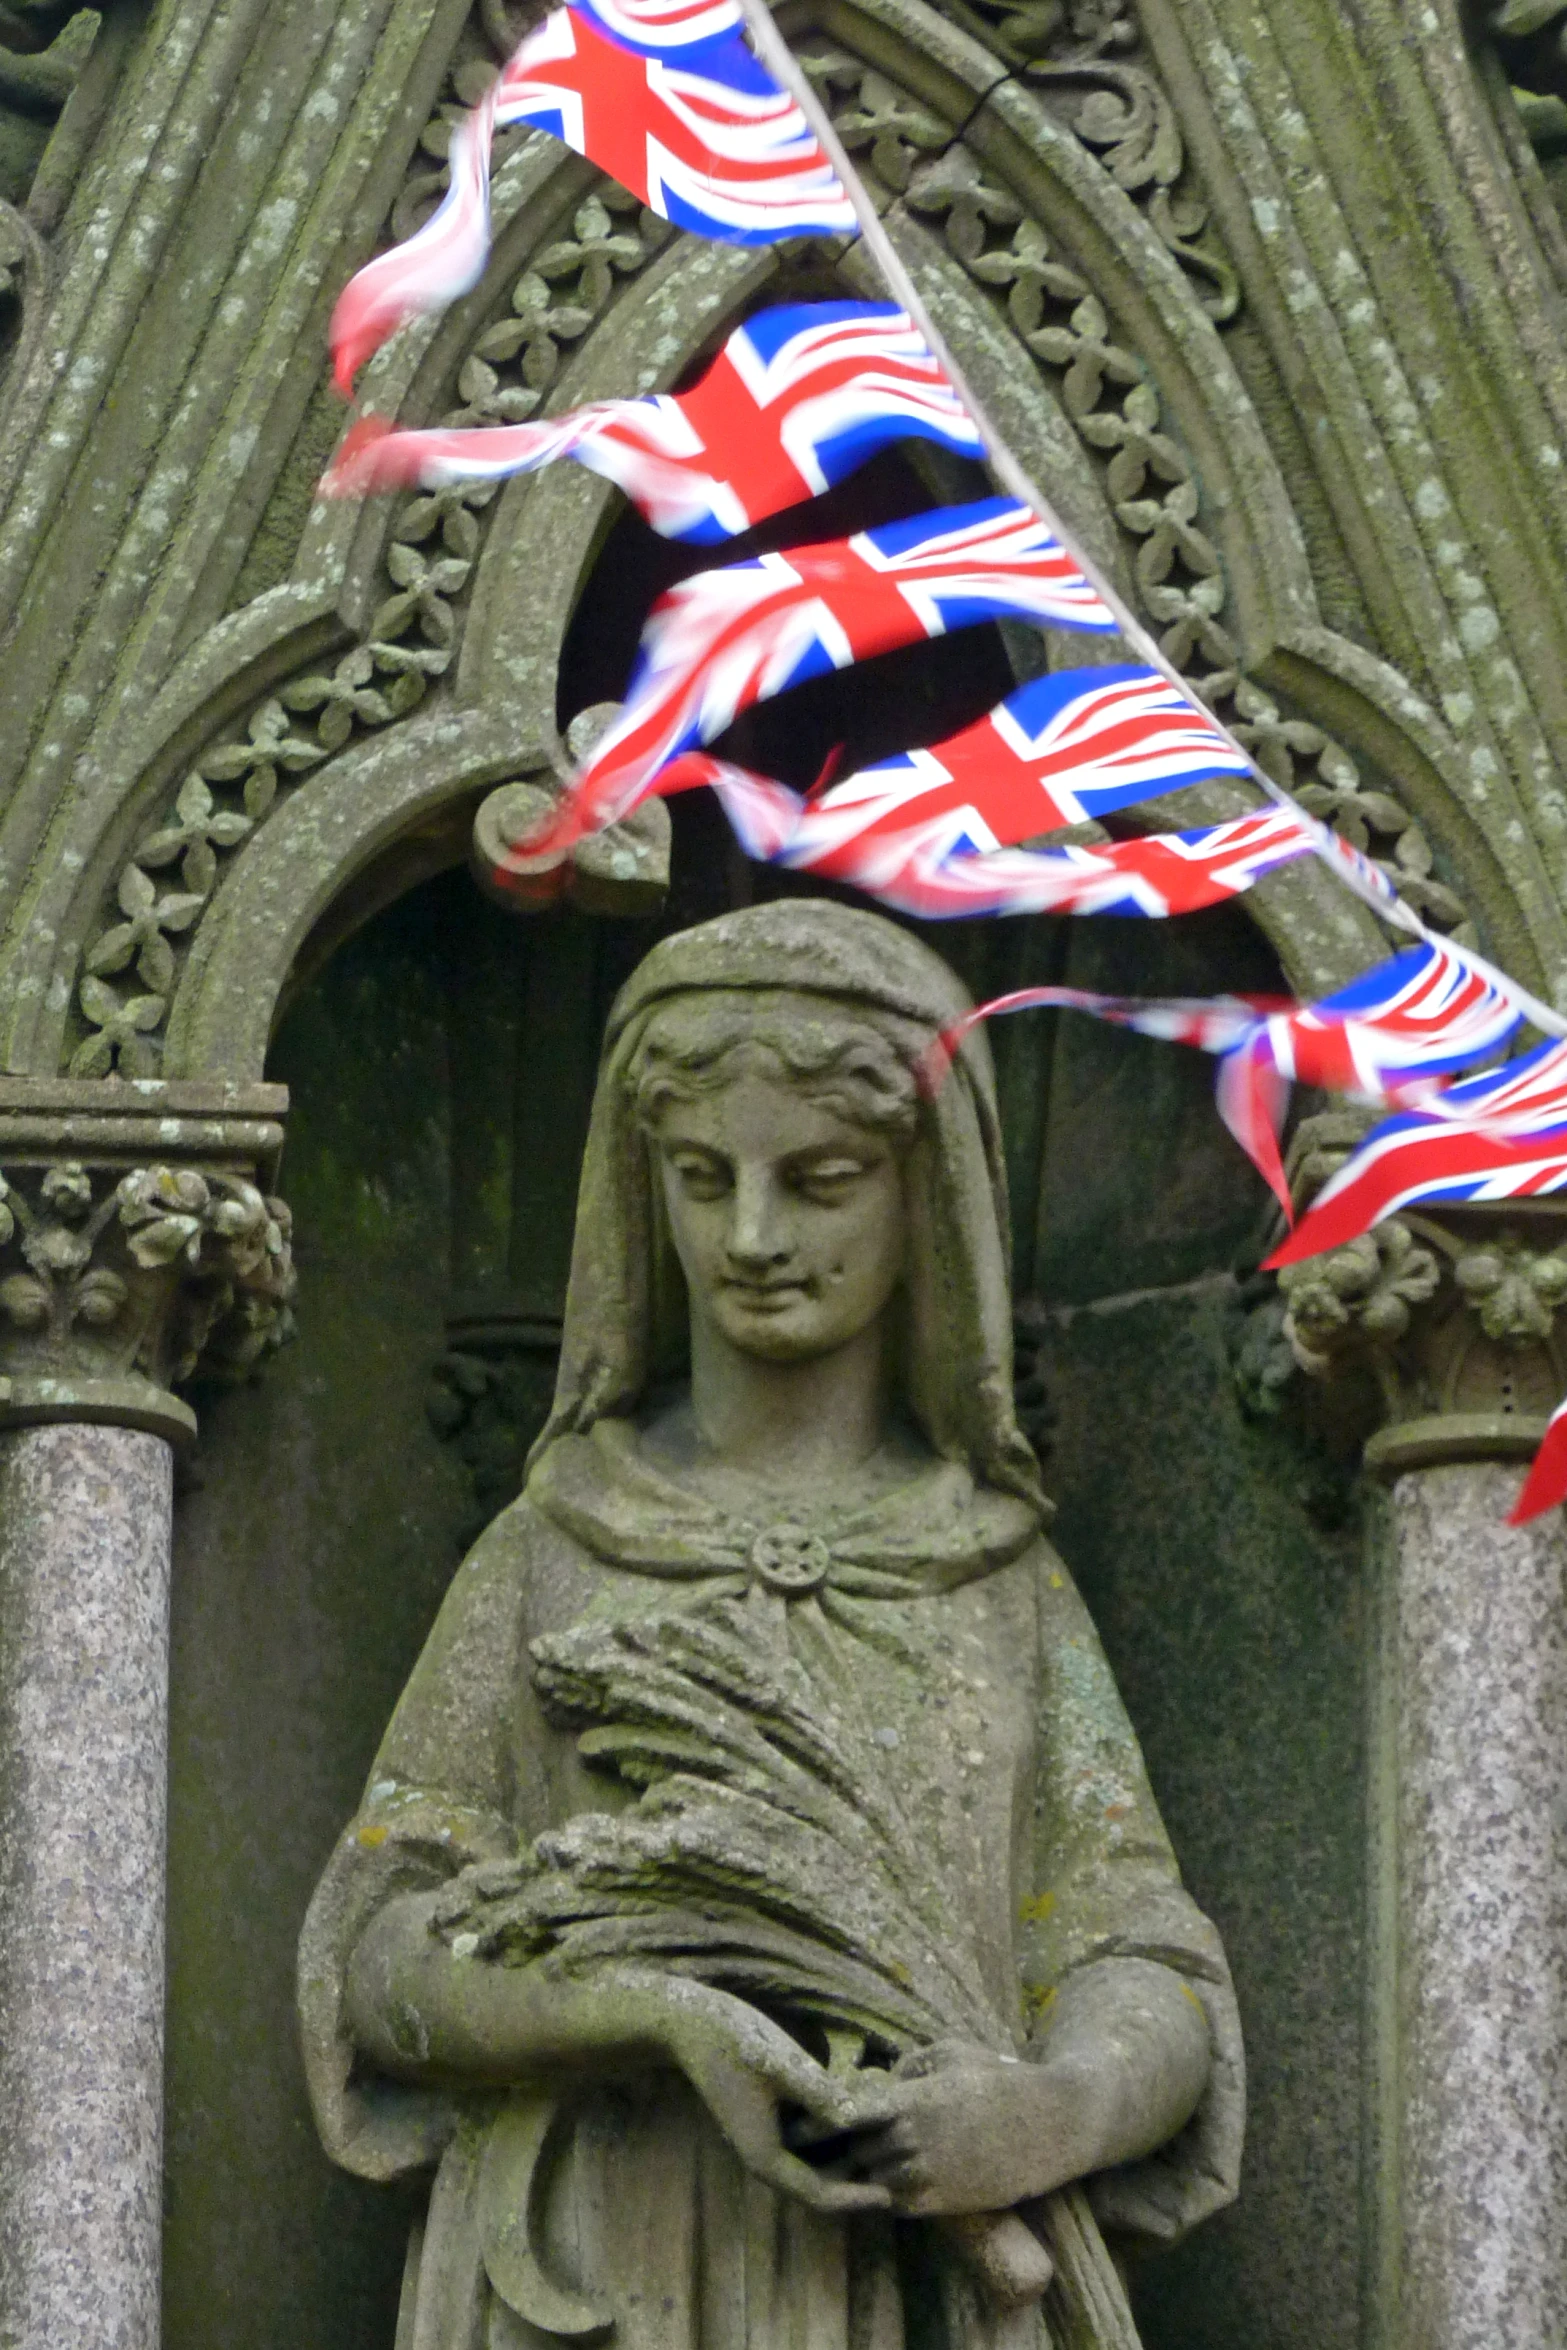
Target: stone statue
<point>758,1917</point>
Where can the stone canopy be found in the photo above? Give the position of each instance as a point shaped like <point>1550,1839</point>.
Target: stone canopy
<point>1270,295</point>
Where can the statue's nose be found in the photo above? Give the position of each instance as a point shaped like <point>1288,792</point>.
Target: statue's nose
<point>758,1231</point>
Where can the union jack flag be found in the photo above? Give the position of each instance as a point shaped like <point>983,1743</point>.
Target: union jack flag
<point>919,872</point>
<point>797,399</point>
<point>668,100</point>
<point>1061,750</point>
<point>1404,1026</point>
<point>1499,1136</point>
<point>723,640</point>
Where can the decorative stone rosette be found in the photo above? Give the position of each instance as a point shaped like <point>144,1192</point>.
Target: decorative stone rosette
<point>1450,1321</point>
<point>140,1247</point>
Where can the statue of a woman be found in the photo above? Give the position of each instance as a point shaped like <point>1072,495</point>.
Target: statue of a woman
<point>758,1916</point>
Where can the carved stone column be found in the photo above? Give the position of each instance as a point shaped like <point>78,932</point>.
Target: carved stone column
<point>136,1249</point>
<point>1452,1323</point>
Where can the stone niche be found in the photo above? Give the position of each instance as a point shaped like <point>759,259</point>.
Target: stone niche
<point>1215,1538</point>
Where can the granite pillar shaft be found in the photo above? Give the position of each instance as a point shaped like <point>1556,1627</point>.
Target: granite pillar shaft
<point>85,1518</point>
<point>1479,1651</point>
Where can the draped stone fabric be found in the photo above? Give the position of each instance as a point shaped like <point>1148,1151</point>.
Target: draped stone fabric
<point>931,1653</point>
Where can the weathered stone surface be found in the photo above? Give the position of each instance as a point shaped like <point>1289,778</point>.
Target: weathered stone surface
<point>84,1584</point>
<point>1480,1641</point>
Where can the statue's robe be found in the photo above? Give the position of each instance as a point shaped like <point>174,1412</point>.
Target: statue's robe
<point>946,1639</point>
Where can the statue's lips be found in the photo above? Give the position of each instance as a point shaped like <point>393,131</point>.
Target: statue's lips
<point>767,1297</point>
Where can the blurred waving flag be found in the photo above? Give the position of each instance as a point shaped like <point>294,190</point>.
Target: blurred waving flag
<point>1062,749</point>
<point>1408,1023</point>
<point>726,639</point>
<point>1405,1025</point>
<point>1546,1484</point>
<point>798,398</point>
<point>669,100</point>
<point>1495,1137</point>
<point>922,870</point>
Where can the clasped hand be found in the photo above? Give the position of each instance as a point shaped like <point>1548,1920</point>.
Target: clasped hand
<point>954,2129</point>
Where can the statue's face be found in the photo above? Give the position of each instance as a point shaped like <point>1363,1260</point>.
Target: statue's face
<point>788,1221</point>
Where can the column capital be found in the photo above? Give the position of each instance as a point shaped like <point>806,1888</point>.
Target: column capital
<point>140,1245</point>
<point>1450,1321</point>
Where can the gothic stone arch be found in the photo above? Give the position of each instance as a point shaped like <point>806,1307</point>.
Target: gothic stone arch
<point>407,660</point>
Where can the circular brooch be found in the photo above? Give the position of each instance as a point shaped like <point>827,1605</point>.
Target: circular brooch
<point>790,1560</point>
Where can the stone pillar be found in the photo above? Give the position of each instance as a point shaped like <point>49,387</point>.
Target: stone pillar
<point>85,1518</point>
<point>1480,1631</point>
<point>1451,1325</point>
<point>122,1275</point>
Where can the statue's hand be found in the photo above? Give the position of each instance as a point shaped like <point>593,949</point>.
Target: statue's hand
<point>1119,2068</point>
<point>958,2129</point>
<point>744,2068</point>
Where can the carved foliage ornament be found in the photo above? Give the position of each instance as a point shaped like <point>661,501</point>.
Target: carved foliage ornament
<point>166,1272</point>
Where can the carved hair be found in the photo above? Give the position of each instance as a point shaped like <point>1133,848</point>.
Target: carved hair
<point>837,1063</point>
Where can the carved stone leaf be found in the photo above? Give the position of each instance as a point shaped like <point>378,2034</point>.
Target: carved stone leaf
<point>98,1298</point>
<point>425,588</point>
<point>410,662</point>
<point>66,1191</point>
<point>272,743</point>
<point>1026,269</point>
<point>114,950</point>
<point>200,828</point>
<point>53,1249</point>
<point>487,402</point>
<point>341,699</point>
<point>161,1242</point>
<point>122,1027</point>
<point>451,511</point>
<point>24,1301</point>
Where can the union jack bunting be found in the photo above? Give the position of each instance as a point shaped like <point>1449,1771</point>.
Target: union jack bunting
<point>669,101</point>
<point>723,640</point>
<point>918,871</point>
<point>798,398</point>
<point>1499,1136</point>
<point>1062,749</point>
<point>1366,878</point>
<point>1404,1026</point>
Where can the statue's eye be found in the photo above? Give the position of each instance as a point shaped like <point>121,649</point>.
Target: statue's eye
<point>700,1177</point>
<point>828,1179</point>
